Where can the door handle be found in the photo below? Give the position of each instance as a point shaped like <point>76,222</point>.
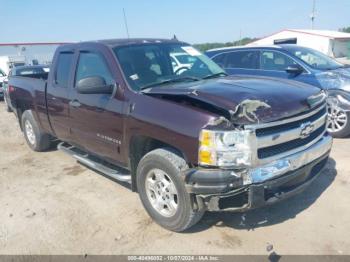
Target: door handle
<point>74,103</point>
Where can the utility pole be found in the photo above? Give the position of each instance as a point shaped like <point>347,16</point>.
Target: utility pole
<point>313,14</point>
<point>126,24</point>
<point>240,37</point>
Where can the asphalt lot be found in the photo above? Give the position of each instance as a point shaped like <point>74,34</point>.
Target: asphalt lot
<point>49,204</point>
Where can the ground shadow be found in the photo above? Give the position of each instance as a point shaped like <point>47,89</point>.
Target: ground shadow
<point>274,214</point>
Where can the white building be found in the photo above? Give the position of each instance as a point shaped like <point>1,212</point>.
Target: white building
<point>14,54</point>
<point>332,43</point>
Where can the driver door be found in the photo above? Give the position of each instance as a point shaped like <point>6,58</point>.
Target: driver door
<point>97,123</point>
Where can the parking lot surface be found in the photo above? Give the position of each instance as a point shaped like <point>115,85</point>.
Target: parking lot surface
<point>49,204</point>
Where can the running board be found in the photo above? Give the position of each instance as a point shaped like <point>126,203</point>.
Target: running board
<point>84,158</point>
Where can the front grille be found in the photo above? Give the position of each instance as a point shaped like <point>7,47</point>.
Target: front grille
<point>282,128</point>
<point>290,145</point>
<point>276,139</point>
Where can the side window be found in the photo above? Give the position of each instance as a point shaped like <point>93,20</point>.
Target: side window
<point>92,64</point>
<point>64,63</point>
<point>219,59</point>
<point>241,59</point>
<point>276,61</point>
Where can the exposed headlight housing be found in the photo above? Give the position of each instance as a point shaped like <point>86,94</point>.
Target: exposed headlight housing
<point>225,148</point>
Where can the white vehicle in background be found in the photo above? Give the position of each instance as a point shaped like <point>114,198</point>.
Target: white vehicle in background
<point>2,78</point>
<point>8,62</point>
<point>182,61</point>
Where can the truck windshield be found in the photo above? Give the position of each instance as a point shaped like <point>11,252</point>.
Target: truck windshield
<point>313,58</point>
<point>150,65</point>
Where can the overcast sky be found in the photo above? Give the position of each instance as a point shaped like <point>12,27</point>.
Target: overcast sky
<point>194,21</point>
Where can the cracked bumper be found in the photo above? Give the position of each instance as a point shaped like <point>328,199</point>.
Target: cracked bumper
<point>265,185</point>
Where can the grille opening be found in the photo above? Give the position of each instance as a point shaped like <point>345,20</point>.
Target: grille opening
<point>270,151</point>
<point>234,201</point>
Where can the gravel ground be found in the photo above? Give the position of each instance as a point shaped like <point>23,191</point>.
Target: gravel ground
<point>52,205</point>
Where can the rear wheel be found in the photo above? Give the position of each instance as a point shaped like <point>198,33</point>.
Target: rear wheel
<point>36,139</point>
<point>338,122</point>
<point>8,108</point>
<point>162,190</point>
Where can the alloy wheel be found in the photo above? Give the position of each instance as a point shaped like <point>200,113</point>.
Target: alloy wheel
<point>161,192</point>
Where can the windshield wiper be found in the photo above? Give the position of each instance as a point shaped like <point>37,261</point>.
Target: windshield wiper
<point>215,75</point>
<point>168,81</point>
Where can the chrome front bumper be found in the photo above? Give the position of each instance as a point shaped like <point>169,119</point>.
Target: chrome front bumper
<point>289,163</point>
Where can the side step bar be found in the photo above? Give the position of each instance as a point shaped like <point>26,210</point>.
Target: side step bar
<point>106,169</point>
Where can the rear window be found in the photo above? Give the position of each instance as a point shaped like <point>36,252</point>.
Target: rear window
<point>29,71</point>
<point>64,63</point>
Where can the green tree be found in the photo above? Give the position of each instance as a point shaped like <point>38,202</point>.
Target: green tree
<point>345,29</point>
<point>206,46</point>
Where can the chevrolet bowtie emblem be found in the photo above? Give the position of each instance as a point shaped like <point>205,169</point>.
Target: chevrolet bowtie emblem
<point>306,129</point>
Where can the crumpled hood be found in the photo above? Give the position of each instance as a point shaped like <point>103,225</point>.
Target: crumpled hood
<point>245,100</point>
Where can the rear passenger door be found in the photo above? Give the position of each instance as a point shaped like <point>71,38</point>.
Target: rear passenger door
<point>239,62</point>
<point>97,118</point>
<point>58,93</point>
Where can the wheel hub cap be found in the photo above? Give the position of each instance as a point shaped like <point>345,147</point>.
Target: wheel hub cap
<point>29,132</point>
<point>337,119</point>
<point>161,192</point>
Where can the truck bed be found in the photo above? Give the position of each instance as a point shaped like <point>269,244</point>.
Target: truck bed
<point>30,93</point>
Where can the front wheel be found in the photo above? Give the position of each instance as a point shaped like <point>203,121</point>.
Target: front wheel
<point>162,190</point>
<point>338,122</point>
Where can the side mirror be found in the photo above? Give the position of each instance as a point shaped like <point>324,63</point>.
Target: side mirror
<point>294,69</point>
<point>94,85</point>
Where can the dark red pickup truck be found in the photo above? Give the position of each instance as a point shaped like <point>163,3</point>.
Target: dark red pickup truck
<point>186,136</point>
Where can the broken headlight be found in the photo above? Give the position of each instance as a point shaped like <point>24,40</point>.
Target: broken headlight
<point>224,148</point>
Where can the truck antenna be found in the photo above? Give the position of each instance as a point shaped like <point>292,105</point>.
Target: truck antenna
<point>313,14</point>
<point>126,24</point>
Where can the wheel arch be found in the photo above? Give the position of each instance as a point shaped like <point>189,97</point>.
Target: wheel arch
<point>140,145</point>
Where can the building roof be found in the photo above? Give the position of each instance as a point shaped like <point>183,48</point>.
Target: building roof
<point>321,33</point>
<point>324,33</point>
<point>32,43</point>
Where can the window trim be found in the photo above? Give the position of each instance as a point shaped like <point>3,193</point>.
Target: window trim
<point>54,82</point>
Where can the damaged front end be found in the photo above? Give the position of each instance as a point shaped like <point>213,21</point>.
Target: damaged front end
<point>248,166</point>
<point>260,146</point>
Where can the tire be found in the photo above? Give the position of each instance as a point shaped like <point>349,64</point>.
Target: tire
<point>164,160</point>
<point>36,139</point>
<point>8,109</point>
<point>340,131</point>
